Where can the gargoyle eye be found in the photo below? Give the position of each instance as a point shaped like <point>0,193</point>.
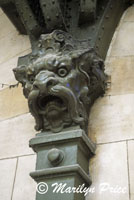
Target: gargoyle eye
<point>62,72</point>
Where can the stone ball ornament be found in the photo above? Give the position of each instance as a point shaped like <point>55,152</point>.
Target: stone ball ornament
<point>55,156</point>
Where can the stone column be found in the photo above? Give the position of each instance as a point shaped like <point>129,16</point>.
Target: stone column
<point>62,164</point>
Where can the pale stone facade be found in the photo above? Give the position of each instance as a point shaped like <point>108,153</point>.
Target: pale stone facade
<point>110,123</point>
<point>16,124</point>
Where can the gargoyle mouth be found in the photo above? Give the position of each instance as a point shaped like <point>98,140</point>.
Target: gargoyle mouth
<point>56,110</point>
<point>49,103</point>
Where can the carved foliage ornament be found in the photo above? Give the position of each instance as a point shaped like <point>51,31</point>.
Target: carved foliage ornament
<point>61,81</point>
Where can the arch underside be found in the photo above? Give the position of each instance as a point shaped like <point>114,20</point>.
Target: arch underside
<point>85,20</point>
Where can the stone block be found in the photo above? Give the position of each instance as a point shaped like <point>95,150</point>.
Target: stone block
<point>123,45</point>
<point>6,73</point>
<point>15,134</point>
<point>129,15</point>
<point>5,30</point>
<point>111,119</point>
<point>132,197</point>
<point>120,70</point>
<point>12,45</point>
<point>65,142</point>
<point>25,187</point>
<point>12,103</point>
<point>7,175</point>
<point>109,173</point>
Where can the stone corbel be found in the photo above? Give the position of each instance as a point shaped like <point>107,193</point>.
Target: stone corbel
<point>61,81</point>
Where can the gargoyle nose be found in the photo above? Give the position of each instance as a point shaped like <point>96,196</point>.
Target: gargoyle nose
<point>44,85</point>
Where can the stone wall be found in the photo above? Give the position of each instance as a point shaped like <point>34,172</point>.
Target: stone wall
<point>16,124</point>
<point>110,124</point>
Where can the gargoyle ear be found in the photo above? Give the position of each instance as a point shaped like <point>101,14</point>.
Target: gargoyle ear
<point>20,73</point>
<point>83,59</point>
<point>90,64</point>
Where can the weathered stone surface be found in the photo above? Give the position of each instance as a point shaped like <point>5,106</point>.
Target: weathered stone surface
<point>15,136</point>
<point>58,94</point>
<point>7,175</point>
<point>132,197</point>
<point>129,15</point>
<point>25,187</point>
<point>109,167</point>
<point>6,73</point>
<point>5,30</point>
<point>131,167</point>
<point>122,77</point>
<point>12,103</point>
<point>111,119</point>
<point>123,45</point>
<point>1,11</point>
<point>13,44</point>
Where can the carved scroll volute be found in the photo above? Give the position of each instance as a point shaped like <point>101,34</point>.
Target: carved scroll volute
<point>61,81</point>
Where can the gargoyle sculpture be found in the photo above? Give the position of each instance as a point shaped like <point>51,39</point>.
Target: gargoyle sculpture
<point>61,81</point>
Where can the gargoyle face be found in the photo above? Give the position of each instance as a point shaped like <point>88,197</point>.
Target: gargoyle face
<point>59,87</point>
